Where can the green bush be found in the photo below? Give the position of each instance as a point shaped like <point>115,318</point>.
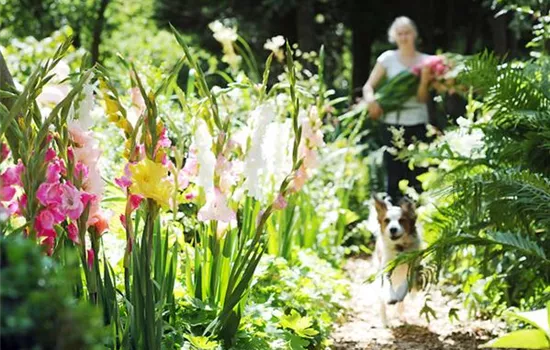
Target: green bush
<point>38,308</point>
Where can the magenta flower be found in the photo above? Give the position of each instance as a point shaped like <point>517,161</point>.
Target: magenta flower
<point>55,169</point>
<point>163,141</point>
<point>4,152</point>
<point>49,194</point>
<point>6,193</point>
<point>80,170</point>
<point>90,258</point>
<point>45,221</point>
<point>123,182</point>
<point>12,175</point>
<point>135,201</point>
<point>72,231</point>
<point>71,204</point>
<point>280,202</point>
<point>123,220</point>
<point>50,154</point>
<point>216,208</point>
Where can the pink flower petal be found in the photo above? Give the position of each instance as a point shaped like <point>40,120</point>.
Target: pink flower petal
<point>135,201</point>
<point>72,231</point>
<point>90,258</point>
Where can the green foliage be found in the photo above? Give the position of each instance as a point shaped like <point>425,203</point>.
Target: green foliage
<point>538,338</point>
<point>494,194</point>
<point>39,310</point>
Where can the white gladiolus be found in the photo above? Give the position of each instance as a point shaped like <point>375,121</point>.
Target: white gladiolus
<point>277,151</point>
<point>86,106</point>
<point>254,164</point>
<point>223,34</point>
<point>207,161</point>
<point>275,43</point>
<point>465,140</point>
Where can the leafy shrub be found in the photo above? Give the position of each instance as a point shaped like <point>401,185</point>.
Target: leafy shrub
<point>38,308</point>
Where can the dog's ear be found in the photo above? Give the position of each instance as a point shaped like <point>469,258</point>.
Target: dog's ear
<point>408,207</point>
<point>380,205</point>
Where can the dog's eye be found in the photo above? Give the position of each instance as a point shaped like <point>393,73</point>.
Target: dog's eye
<point>402,221</point>
<point>386,220</point>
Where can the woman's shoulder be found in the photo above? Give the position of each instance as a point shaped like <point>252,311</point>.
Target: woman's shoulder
<point>386,56</point>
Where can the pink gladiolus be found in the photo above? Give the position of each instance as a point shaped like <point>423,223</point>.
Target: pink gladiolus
<point>300,178</point>
<point>55,169</point>
<point>48,241</point>
<point>190,196</point>
<point>70,153</point>
<point>71,204</point>
<point>216,208</point>
<point>6,193</point>
<point>183,180</point>
<point>72,231</point>
<point>90,258</point>
<point>4,152</point>
<point>163,141</point>
<point>86,198</point>
<point>50,154</point>
<point>49,193</point>
<point>191,167</point>
<point>123,220</point>
<point>100,221</point>
<point>21,205</point>
<point>123,182</point>
<point>137,100</point>
<point>12,175</point>
<point>135,201</point>
<point>280,202</point>
<point>45,221</point>
<point>81,170</point>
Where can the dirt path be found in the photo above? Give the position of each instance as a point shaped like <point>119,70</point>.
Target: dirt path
<point>363,329</point>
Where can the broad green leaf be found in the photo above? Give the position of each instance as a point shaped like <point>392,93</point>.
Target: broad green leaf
<point>297,343</point>
<point>201,342</point>
<point>522,339</point>
<point>300,325</point>
<point>537,318</point>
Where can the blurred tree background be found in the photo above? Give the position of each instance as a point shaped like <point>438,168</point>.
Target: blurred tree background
<point>354,32</point>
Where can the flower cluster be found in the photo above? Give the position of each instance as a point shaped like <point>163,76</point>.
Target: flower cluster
<point>10,179</point>
<point>226,36</point>
<point>312,139</point>
<point>437,64</point>
<point>275,45</point>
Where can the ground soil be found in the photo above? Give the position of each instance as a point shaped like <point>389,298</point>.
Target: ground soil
<point>362,328</point>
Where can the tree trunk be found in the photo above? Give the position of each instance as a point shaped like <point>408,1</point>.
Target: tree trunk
<point>499,28</point>
<point>361,41</point>
<point>98,28</point>
<point>305,25</point>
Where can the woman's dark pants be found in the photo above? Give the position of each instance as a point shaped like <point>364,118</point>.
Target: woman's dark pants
<point>398,170</point>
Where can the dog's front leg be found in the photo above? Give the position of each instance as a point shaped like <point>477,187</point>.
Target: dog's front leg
<point>383,316</point>
<point>401,312</point>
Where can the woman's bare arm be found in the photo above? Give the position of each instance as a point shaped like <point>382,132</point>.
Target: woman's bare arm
<point>376,76</point>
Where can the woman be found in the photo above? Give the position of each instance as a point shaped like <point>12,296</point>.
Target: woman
<point>414,115</point>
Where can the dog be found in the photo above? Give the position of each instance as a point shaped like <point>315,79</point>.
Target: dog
<point>397,234</point>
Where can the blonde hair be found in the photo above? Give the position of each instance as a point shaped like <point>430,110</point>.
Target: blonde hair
<point>398,22</point>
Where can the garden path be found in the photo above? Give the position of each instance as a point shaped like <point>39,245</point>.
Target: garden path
<point>363,330</point>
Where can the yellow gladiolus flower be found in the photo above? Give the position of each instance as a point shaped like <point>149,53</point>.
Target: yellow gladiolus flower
<point>149,180</point>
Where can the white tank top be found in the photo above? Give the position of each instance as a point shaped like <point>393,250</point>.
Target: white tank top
<point>413,112</point>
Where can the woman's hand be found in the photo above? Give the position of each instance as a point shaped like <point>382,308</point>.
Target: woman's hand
<point>426,76</point>
<point>375,111</point>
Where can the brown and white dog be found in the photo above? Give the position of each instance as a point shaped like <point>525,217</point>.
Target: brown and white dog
<point>397,234</point>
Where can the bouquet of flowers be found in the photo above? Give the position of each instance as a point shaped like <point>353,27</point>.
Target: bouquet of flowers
<point>395,92</point>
